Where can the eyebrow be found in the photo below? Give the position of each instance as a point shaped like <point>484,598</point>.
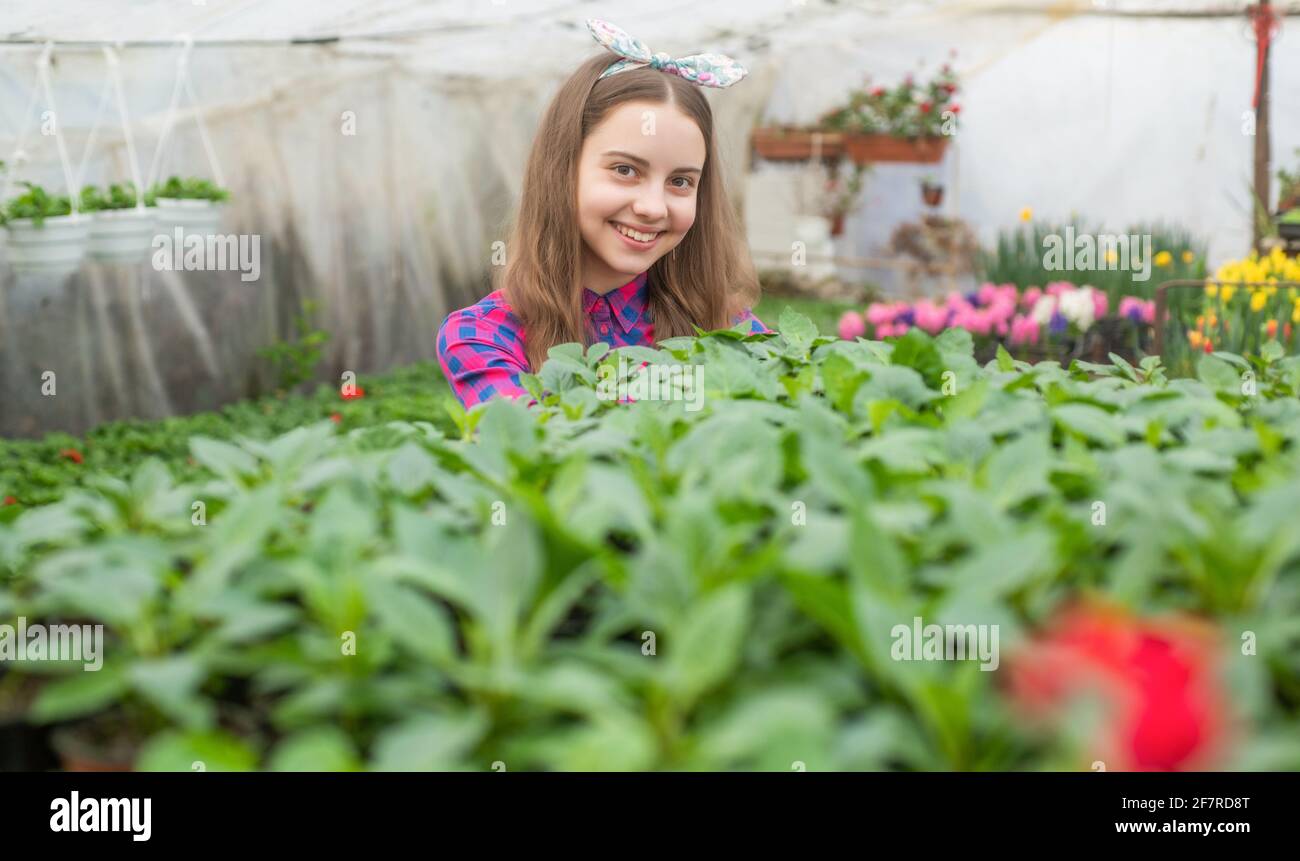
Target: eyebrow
<point>643,163</point>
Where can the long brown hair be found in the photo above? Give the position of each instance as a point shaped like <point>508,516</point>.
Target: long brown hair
<point>708,279</point>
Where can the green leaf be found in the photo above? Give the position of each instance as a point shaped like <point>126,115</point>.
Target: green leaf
<point>429,743</point>
<point>228,461</point>
<point>1092,423</point>
<point>413,619</point>
<point>1005,362</point>
<point>705,647</point>
<point>82,693</point>
<point>196,751</point>
<point>1218,374</point>
<point>320,748</point>
<point>172,685</point>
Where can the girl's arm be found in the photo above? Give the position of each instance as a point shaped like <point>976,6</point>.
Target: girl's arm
<point>481,356</point>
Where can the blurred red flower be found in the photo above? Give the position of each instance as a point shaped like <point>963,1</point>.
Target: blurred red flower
<point>1157,678</point>
<point>353,393</point>
<point>72,454</point>
<point>925,107</point>
<point>336,418</point>
<point>9,500</point>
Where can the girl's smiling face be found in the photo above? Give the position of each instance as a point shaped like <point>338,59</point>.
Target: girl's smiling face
<point>639,169</point>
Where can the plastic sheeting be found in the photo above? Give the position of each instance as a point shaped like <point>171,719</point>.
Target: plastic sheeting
<point>1119,118</point>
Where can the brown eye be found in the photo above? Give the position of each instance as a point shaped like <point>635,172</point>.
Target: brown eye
<point>689,182</point>
<point>628,166</point>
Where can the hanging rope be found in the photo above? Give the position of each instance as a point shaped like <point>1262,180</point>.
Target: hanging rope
<point>115,75</point>
<point>43,72</point>
<point>183,85</point>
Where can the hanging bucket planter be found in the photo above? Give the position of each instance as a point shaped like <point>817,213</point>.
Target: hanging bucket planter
<point>192,216</point>
<point>122,235</point>
<point>54,246</point>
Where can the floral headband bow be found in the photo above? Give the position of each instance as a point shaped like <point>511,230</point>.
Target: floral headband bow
<point>707,70</point>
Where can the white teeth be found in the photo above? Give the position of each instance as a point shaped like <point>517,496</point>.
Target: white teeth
<point>635,234</point>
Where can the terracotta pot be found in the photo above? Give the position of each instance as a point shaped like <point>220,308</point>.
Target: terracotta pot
<point>778,145</point>
<point>932,194</point>
<point>837,224</point>
<point>865,149</point>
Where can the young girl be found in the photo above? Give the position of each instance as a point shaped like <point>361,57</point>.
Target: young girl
<point>624,231</point>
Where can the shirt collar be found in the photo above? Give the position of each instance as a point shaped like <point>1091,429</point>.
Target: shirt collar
<point>627,303</point>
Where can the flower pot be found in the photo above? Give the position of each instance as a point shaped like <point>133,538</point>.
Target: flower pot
<point>122,235</point>
<point>865,149</point>
<point>56,246</point>
<point>193,216</point>
<point>837,224</point>
<point>778,145</point>
<point>932,195</point>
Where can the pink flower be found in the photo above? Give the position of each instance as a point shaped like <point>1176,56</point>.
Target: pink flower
<point>986,293</point>
<point>1137,310</point>
<point>1030,297</point>
<point>882,312</point>
<point>930,317</point>
<point>1024,330</point>
<point>1056,288</point>
<point>852,326</point>
<point>1100,304</point>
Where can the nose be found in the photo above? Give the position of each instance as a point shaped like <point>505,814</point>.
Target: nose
<point>649,205</point>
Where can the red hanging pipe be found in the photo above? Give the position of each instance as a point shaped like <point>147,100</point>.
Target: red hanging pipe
<point>1266,24</point>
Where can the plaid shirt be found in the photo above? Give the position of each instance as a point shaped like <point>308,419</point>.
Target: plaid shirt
<point>481,348</point>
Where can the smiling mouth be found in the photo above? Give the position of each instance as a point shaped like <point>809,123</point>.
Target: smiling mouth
<point>637,237</point>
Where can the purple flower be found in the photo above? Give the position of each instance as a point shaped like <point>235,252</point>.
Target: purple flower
<point>907,316</point>
<point>1058,323</point>
<point>973,297</point>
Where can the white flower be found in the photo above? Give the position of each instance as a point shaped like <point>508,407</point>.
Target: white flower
<point>1043,310</point>
<point>1078,307</point>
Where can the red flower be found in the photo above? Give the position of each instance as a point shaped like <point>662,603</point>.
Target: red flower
<point>877,91</point>
<point>72,454</point>
<point>1209,347</point>
<point>925,107</point>
<point>1165,709</point>
<point>951,88</point>
<point>1271,328</point>
<point>353,393</point>
<point>956,109</point>
<point>336,418</point>
<point>1286,331</point>
<point>9,500</point>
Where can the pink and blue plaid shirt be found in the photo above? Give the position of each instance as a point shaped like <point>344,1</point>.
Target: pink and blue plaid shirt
<point>481,348</point>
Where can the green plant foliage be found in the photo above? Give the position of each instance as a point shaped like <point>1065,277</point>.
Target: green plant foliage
<point>587,584</point>
<point>189,188</point>
<point>37,472</point>
<point>295,361</point>
<point>118,196</point>
<point>35,203</point>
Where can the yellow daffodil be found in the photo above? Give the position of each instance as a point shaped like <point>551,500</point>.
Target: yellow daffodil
<point>1027,214</point>
<point>1258,299</point>
<point>1164,258</point>
<point>1189,257</point>
<point>1195,339</point>
<point>1226,292</point>
<point>1212,290</point>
